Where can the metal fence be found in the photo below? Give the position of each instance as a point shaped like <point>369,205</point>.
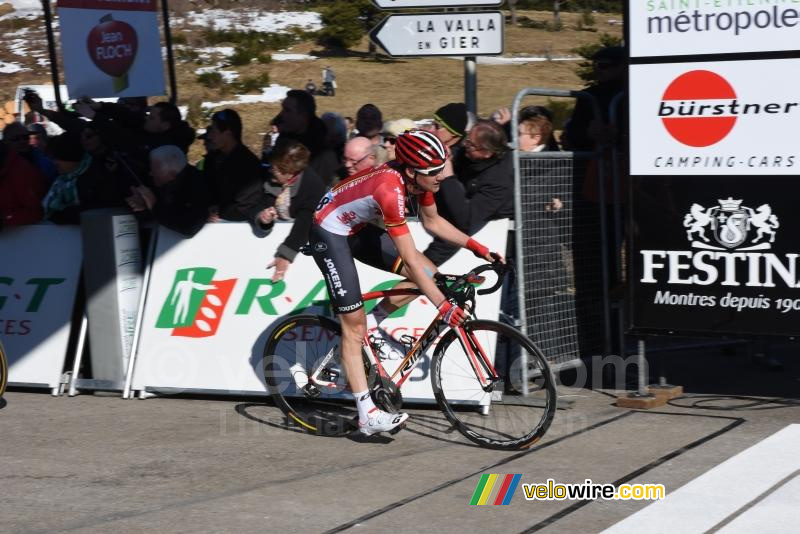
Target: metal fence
<point>561,248</point>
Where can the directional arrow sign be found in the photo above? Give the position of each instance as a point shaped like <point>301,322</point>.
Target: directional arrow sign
<point>397,4</point>
<point>441,34</point>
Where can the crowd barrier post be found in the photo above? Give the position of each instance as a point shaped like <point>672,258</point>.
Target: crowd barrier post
<point>526,287</point>
<point>73,379</point>
<point>148,267</point>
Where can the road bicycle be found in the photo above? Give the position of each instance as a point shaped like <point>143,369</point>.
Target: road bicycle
<point>3,370</point>
<point>304,374</point>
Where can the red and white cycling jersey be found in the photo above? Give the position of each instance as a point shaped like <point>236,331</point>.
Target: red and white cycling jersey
<point>373,195</point>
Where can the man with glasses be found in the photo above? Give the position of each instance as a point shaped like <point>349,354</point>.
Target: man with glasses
<point>361,154</point>
<point>342,232</point>
<point>18,138</point>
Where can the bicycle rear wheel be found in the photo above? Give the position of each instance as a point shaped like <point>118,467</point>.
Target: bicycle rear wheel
<point>294,350</point>
<point>514,421</point>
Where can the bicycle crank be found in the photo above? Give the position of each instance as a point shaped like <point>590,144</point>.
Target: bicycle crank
<point>385,394</point>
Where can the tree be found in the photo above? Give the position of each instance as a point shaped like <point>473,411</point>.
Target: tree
<point>345,23</point>
<point>512,7</point>
<point>557,14</point>
<point>585,68</point>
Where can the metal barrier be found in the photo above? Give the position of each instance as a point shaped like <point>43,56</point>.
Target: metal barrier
<point>561,254</point>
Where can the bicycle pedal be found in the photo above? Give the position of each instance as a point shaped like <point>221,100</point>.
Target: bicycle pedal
<point>397,429</point>
<point>311,391</point>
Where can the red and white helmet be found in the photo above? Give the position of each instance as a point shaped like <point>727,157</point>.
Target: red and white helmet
<point>421,151</point>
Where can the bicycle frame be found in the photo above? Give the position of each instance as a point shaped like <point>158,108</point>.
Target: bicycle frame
<point>479,361</point>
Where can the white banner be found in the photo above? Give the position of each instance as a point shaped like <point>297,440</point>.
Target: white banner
<point>219,346</point>
<point>713,118</point>
<point>685,27</point>
<point>38,281</point>
<point>111,48</point>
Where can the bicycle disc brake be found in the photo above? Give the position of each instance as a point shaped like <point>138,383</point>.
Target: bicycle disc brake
<point>385,394</point>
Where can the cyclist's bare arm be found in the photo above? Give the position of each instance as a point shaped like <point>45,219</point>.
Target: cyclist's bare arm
<point>444,229</point>
<point>415,263</point>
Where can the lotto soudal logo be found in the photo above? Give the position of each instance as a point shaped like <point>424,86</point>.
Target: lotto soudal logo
<point>196,302</point>
<point>700,108</point>
<point>731,226</point>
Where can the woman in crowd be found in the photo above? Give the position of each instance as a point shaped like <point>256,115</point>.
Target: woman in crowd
<point>293,189</point>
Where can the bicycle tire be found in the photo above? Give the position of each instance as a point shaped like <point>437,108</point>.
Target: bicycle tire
<point>3,370</point>
<point>514,422</point>
<point>299,340</point>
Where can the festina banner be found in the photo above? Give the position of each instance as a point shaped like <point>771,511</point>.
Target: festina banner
<point>111,48</point>
<point>716,254</point>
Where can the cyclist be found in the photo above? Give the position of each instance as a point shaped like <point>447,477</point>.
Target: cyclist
<point>342,231</point>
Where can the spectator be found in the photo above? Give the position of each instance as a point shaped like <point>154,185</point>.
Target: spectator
<point>17,138</point>
<point>359,155</point>
<point>269,140</point>
<point>311,87</point>
<point>127,131</point>
<point>351,127</point>
<point>329,81</point>
<point>390,132</point>
<point>61,204</point>
<point>232,171</point>
<point>336,132</point>
<point>584,131</point>
<point>293,191</point>
<point>451,123</point>
<point>369,122</point>
<point>488,180</point>
<point>22,187</point>
<point>180,198</point>
<point>298,120</point>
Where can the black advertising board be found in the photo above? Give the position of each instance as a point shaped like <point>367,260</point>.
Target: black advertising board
<point>714,170</point>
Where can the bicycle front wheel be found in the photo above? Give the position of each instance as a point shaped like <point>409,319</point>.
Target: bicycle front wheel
<point>502,418</point>
<point>294,351</point>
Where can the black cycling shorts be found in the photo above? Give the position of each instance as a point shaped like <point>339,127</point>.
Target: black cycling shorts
<point>335,258</point>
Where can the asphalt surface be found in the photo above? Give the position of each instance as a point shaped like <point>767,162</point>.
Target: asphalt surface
<point>99,464</point>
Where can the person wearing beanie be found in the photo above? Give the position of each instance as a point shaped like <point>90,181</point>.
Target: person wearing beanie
<point>451,123</point>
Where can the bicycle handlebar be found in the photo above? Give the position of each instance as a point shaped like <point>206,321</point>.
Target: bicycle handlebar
<point>459,281</point>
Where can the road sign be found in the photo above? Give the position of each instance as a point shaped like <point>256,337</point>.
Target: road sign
<point>400,4</point>
<point>441,34</point>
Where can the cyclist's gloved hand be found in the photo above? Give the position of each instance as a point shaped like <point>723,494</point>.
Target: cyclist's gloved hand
<point>451,314</point>
<point>483,252</point>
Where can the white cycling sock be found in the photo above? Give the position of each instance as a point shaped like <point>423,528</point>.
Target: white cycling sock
<point>364,404</point>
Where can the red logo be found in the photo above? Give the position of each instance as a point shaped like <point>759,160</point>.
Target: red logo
<point>112,46</point>
<point>692,121</point>
<point>347,217</point>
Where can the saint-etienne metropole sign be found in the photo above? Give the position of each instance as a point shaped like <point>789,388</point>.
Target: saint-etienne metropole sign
<point>476,33</point>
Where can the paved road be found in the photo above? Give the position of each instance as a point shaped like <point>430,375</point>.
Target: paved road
<point>96,464</point>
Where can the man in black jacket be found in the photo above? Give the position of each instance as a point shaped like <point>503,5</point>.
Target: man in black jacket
<point>486,173</point>
<point>234,174</point>
<point>180,199</point>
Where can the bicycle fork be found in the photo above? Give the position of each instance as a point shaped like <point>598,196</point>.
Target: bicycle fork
<point>481,366</point>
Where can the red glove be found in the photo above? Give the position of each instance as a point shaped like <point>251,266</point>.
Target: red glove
<point>451,314</point>
<point>477,249</point>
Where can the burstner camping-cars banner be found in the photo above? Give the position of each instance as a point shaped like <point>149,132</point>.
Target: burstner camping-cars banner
<point>714,161</point>
<point>111,48</point>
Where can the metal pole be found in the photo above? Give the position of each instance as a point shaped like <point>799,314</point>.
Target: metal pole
<point>641,364</point>
<point>148,263</point>
<point>173,84</point>
<point>73,390</point>
<point>471,84</point>
<point>51,48</point>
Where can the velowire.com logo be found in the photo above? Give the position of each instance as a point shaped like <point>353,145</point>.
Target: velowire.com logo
<point>495,489</point>
<point>196,303</point>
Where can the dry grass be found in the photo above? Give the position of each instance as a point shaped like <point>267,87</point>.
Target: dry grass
<point>411,88</point>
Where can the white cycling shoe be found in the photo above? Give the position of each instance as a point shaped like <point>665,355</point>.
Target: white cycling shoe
<point>380,421</point>
<point>383,348</point>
